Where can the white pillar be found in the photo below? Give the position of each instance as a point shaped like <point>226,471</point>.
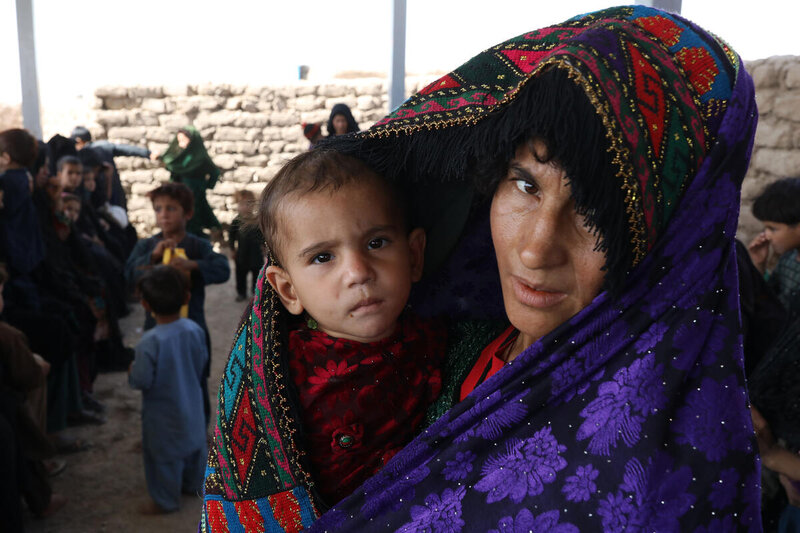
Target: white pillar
<point>27,68</point>
<point>673,6</point>
<point>397,78</point>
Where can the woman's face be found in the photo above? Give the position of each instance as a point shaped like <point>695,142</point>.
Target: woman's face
<point>340,124</point>
<point>549,269</point>
<point>183,140</point>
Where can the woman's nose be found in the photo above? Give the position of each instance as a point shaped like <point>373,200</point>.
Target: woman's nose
<point>541,240</point>
<point>358,270</point>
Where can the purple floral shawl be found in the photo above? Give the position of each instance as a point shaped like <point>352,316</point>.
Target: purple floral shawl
<point>633,415</point>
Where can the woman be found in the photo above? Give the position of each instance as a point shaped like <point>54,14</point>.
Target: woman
<point>613,146</point>
<point>341,121</point>
<point>189,163</point>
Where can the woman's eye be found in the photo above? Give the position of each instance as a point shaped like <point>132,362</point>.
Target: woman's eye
<point>374,244</point>
<point>526,186</point>
<point>321,258</point>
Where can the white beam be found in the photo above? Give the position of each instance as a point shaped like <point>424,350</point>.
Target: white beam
<point>397,78</point>
<point>31,118</point>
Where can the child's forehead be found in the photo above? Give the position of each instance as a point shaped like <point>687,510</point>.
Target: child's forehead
<point>164,199</point>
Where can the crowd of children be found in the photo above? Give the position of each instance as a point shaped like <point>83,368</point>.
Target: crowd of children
<point>70,262</point>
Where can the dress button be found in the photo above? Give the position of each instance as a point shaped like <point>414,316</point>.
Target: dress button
<point>345,441</point>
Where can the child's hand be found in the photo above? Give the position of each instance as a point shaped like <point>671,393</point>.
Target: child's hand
<point>183,264</point>
<point>158,251</point>
<point>759,251</point>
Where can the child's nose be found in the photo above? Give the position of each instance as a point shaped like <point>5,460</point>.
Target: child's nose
<point>359,270</point>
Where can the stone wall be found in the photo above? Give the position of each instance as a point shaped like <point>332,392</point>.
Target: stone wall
<point>251,131</point>
<point>248,131</point>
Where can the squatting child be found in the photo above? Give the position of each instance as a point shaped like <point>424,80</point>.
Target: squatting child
<point>246,242</point>
<point>169,368</point>
<point>343,261</point>
<point>778,208</point>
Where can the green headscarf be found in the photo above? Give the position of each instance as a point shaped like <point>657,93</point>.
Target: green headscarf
<point>192,161</point>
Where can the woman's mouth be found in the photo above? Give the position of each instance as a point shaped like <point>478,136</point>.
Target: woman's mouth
<point>535,296</point>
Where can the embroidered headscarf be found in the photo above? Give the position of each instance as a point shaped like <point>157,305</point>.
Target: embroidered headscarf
<point>633,414</point>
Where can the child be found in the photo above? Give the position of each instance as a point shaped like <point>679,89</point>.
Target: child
<point>69,172</point>
<point>343,259</point>
<point>169,369</point>
<point>246,242</point>
<point>192,255</point>
<point>778,207</point>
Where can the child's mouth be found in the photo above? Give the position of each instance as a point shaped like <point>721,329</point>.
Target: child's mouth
<point>366,305</point>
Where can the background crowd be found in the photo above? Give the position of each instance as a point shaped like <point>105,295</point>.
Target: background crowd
<point>69,264</point>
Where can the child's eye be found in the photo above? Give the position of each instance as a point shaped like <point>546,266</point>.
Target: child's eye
<point>374,244</point>
<point>321,258</point>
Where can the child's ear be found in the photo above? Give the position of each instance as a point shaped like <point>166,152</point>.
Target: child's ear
<point>282,283</point>
<point>146,306</point>
<point>416,244</point>
<point>186,298</point>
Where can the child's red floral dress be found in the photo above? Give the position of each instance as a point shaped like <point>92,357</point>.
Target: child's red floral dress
<point>362,402</point>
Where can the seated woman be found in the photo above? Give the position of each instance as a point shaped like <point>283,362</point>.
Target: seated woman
<point>613,148</point>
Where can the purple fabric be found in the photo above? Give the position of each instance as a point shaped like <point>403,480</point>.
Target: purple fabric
<point>632,416</point>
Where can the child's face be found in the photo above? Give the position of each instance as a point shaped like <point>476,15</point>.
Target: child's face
<point>245,206</point>
<point>348,261</point>
<point>70,176</point>
<point>170,216</point>
<point>72,209</point>
<point>782,237</point>
<point>89,179</point>
<point>54,189</point>
<point>340,124</point>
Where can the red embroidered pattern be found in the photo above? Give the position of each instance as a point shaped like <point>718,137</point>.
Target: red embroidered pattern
<point>361,403</point>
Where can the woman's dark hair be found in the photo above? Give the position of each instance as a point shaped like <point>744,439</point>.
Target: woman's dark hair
<point>20,145</point>
<point>344,110</point>
<point>555,110</point>
<point>779,202</point>
<point>178,192</point>
<point>164,289</point>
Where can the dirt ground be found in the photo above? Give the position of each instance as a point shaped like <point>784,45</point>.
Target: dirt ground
<point>105,484</point>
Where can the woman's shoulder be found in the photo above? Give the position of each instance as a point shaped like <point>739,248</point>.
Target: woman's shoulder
<point>466,340</point>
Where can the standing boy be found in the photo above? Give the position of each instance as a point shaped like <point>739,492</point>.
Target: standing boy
<point>169,369</point>
<point>191,255</point>
<point>778,208</point>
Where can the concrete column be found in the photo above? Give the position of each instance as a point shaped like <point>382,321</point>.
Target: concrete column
<point>397,78</point>
<point>27,68</point>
